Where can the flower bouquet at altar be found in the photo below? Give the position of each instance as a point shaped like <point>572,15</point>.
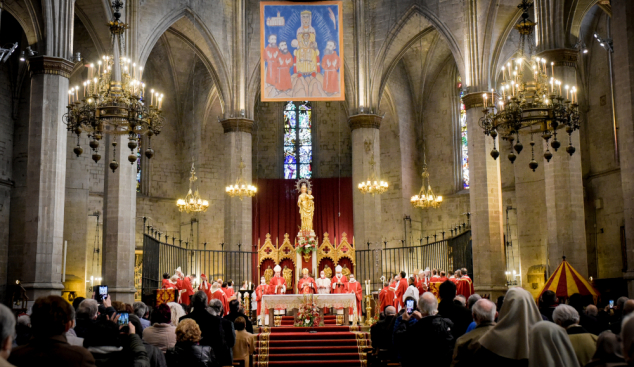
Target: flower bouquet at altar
<point>306,242</point>
<point>308,313</point>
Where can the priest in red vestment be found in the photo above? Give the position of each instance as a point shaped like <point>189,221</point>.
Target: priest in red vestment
<point>284,63</point>
<point>277,285</point>
<point>187,290</point>
<point>217,293</point>
<point>259,292</point>
<point>331,64</point>
<point>205,286</point>
<point>393,286</point>
<point>386,297</point>
<point>423,281</point>
<point>166,284</point>
<point>401,288</point>
<point>434,276</point>
<point>270,56</point>
<point>355,287</point>
<point>466,276</point>
<point>339,283</point>
<point>306,285</point>
<point>442,278</point>
<point>228,289</point>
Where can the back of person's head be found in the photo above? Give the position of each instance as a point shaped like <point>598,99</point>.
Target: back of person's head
<point>460,300</point>
<point>483,311</point>
<point>627,338</point>
<point>88,309</point>
<point>549,298</point>
<point>413,300</point>
<point>442,273</point>
<point>24,320</point>
<point>608,348</point>
<point>77,301</point>
<point>473,299</point>
<point>177,312</point>
<point>224,285</point>
<point>628,307</point>
<point>230,282</point>
<point>161,315</point>
<point>119,306</point>
<point>140,309</point>
<point>136,321</point>
<point>447,290</point>
<point>103,333</point>
<point>428,304</point>
<point>199,300</point>
<point>412,281</point>
<point>188,331</point>
<point>592,310</point>
<point>215,307</point>
<point>403,275</point>
<point>166,276</point>
<point>390,311</point>
<point>50,316</point>
<point>234,305</point>
<point>129,309</point>
<point>240,323</point>
<point>620,302</point>
<point>576,301</point>
<point>463,271</point>
<point>7,329</point>
<point>565,315</point>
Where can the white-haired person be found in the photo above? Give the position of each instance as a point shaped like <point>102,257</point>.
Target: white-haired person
<point>306,285</point>
<point>339,285</point>
<point>583,342</point>
<point>176,311</point>
<point>219,294</point>
<point>7,329</point>
<point>277,285</point>
<point>484,314</point>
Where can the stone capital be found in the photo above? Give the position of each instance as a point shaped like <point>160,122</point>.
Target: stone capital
<point>364,121</point>
<point>237,124</point>
<point>560,56</point>
<point>473,100</point>
<point>50,65</point>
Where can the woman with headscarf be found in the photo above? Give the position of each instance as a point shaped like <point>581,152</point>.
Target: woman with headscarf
<point>507,344</point>
<point>627,340</point>
<point>550,346</point>
<point>608,351</point>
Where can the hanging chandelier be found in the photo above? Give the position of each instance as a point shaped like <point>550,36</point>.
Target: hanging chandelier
<point>240,188</point>
<point>532,101</point>
<point>373,186</point>
<point>113,100</point>
<point>426,197</point>
<point>192,202</point>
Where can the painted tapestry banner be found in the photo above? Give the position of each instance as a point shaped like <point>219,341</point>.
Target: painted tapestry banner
<point>302,51</point>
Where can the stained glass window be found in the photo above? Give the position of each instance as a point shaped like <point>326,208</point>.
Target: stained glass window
<point>464,144</point>
<point>138,165</point>
<point>298,141</point>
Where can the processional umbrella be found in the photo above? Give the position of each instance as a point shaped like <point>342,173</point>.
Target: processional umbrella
<point>566,281</point>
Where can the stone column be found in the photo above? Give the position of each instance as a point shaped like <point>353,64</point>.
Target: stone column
<point>238,219</point>
<point>46,177</point>
<point>564,184</point>
<point>119,221</point>
<point>623,34</point>
<point>485,194</point>
<point>366,208</point>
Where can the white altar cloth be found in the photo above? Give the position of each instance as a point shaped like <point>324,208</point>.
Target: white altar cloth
<point>291,301</point>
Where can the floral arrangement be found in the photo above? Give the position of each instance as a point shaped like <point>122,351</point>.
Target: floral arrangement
<point>308,314</point>
<point>306,244</point>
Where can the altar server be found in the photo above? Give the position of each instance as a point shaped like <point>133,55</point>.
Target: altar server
<point>355,287</point>
<point>323,283</point>
<point>217,293</point>
<point>260,291</point>
<point>306,285</point>
<point>205,286</point>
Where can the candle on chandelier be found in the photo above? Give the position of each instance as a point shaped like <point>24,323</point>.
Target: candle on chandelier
<point>503,75</point>
<point>140,72</point>
<point>501,105</point>
<point>151,97</point>
<point>95,86</point>
<point>551,86</point>
<point>484,99</point>
<point>99,68</point>
<point>134,70</point>
<point>76,92</point>
<point>552,69</point>
<point>70,93</point>
<point>492,98</point>
<point>566,91</point>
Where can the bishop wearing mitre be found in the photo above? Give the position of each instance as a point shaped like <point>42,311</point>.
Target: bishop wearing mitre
<point>217,293</point>
<point>339,281</point>
<point>306,285</point>
<point>277,285</point>
<point>355,288</point>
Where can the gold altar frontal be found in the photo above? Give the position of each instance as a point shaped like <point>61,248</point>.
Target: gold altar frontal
<point>325,256</point>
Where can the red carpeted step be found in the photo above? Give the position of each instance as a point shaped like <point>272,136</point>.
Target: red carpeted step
<point>312,343</point>
<point>340,363</point>
<point>314,357</point>
<point>314,349</point>
<point>326,317</point>
<point>320,329</point>
<point>291,337</point>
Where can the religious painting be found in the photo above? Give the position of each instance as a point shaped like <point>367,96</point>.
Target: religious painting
<point>301,51</point>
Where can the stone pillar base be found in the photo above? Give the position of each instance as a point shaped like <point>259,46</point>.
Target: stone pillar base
<point>125,295</point>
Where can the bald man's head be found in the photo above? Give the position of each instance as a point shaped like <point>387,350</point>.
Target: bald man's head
<point>390,311</point>
<point>484,311</point>
<point>628,307</point>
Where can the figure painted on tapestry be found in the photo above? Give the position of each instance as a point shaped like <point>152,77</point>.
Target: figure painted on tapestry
<point>306,208</point>
<point>305,66</point>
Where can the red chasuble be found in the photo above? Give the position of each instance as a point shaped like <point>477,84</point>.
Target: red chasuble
<point>187,286</point>
<point>283,64</point>
<point>308,289</point>
<point>219,294</point>
<point>330,64</point>
<point>276,282</point>
<point>205,287</point>
<point>259,292</point>
<point>167,284</point>
<point>400,291</point>
<point>386,298</point>
<point>356,289</point>
<point>464,287</point>
<point>470,283</point>
<point>229,292</point>
<point>339,288</point>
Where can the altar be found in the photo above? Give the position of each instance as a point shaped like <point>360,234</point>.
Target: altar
<point>292,302</point>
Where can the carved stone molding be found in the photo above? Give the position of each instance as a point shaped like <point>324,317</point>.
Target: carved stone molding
<point>237,124</point>
<point>365,121</point>
<point>473,100</point>
<point>560,56</point>
<point>49,65</point>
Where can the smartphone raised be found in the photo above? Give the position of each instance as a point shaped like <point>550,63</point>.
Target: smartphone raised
<point>124,319</point>
<point>409,304</point>
<point>611,303</point>
<point>101,293</point>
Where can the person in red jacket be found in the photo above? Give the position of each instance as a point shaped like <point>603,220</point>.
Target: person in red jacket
<point>260,291</point>
<point>401,288</point>
<point>205,286</point>
<point>166,284</point>
<point>386,297</point>
<point>355,287</point>
<point>188,291</point>
<point>217,293</point>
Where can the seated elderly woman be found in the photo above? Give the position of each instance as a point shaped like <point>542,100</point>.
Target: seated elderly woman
<point>188,352</point>
<point>162,333</point>
<point>583,342</point>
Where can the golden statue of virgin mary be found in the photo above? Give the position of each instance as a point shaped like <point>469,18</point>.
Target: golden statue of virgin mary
<point>306,205</point>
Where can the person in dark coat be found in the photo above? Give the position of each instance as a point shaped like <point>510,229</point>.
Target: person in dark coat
<point>459,315</point>
<point>188,352</point>
<point>154,354</point>
<point>215,332</point>
<point>235,312</point>
<point>548,304</point>
<point>50,320</point>
<point>424,337</point>
<point>381,333</point>
<point>110,348</point>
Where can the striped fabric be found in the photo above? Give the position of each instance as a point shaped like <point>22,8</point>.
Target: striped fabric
<point>566,281</point>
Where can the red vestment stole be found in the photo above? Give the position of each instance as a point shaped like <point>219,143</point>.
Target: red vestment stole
<point>400,291</point>
<point>386,298</point>
<point>187,286</point>
<point>205,287</point>
<point>339,288</point>
<point>275,281</point>
<point>307,289</point>
<point>259,292</point>
<point>167,284</point>
<point>356,289</point>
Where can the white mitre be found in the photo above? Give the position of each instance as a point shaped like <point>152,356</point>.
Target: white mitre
<point>277,268</point>
<point>338,269</point>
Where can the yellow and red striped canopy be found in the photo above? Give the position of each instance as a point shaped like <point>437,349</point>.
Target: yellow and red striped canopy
<point>566,281</point>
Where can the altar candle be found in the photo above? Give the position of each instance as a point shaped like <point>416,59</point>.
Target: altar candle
<point>552,69</point>
<point>503,75</point>
<point>151,97</point>
<point>484,99</point>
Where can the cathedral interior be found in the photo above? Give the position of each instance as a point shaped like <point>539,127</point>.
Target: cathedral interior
<point>415,74</point>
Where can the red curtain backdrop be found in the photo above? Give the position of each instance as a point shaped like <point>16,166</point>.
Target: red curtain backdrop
<point>275,209</point>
